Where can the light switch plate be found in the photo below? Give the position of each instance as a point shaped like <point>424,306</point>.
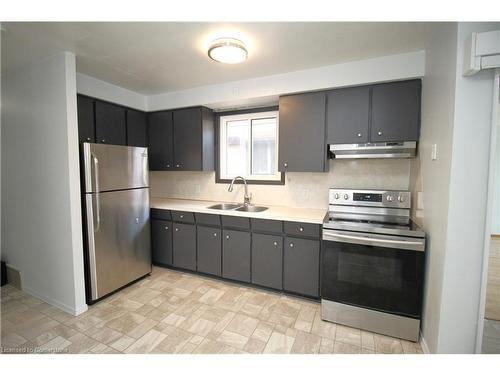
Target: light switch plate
<point>434,152</point>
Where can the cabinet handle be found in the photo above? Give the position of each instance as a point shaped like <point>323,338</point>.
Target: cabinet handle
<point>275,243</point>
<point>168,165</point>
<point>359,135</point>
<point>176,229</point>
<point>88,138</point>
<point>215,234</point>
<point>177,165</point>
<point>227,237</point>
<point>181,216</point>
<point>379,132</point>
<point>103,140</point>
<point>291,244</point>
<point>285,165</point>
<point>301,229</point>
<point>166,228</point>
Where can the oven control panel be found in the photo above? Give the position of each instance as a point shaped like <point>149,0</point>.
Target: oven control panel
<point>373,198</point>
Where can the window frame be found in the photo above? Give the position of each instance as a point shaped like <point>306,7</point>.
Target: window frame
<point>218,135</point>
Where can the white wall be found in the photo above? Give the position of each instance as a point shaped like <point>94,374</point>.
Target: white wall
<point>265,90</point>
<point>495,227</point>
<point>41,218</point>
<point>96,88</point>
<point>467,203</point>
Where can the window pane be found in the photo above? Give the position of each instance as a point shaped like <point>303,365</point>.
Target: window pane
<point>237,148</point>
<point>264,146</point>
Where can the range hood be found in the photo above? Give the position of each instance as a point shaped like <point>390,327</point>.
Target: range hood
<point>374,150</point>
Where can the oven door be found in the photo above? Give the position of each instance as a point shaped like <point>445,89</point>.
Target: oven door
<point>378,272</point>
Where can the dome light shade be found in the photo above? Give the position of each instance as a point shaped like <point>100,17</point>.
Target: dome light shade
<point>228,51</point>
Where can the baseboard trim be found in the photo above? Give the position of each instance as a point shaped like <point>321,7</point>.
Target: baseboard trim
<point>423,344</point>
<point>61,306</point>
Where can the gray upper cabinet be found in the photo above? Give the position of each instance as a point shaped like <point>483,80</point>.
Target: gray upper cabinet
<point>161,241</point>
<point>86,128</point>
<point>184,246</point>
<point>110,126</point>
<point>302,132</point>
<point>236,255</point>
<point>136,128</point>
<point>396,111</point>
<point>348,115</point>
<point>209,250</point>
<point>301,266</point>
<point>267,260</point>
<point>193,139</point>
<point>161,141</point>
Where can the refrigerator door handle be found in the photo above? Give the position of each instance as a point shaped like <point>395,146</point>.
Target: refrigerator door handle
<point>97,192</point>
<point>91,247</point>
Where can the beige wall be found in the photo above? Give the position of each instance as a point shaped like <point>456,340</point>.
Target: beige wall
<point>300,189</point>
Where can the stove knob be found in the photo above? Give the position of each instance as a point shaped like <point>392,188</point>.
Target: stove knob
<point>337,196</point>
<point>346,196</point>
<point>390,198</point>
<point>401,199</point>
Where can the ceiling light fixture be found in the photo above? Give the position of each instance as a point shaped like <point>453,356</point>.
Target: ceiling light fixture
<point>228,51</point>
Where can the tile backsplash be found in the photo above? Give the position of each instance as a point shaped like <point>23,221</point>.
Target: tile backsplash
<point>300,189</point>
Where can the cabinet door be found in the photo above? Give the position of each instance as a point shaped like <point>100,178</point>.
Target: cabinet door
<point>110,123</point>
<point>184,245</point>
<point>301,266</point>
<point>209,250</point>
<point>188,139</point>
<point>236,255</point>
<point>396,111</point>
<point>136,128</point>
<point>161,238</point>
<point>302,132</point>
<point>86,128</point>
<point>348,115</point>
<point>161,141</point>
<point>267,260</point>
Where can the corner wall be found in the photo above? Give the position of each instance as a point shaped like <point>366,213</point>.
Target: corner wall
<point>41,218</point>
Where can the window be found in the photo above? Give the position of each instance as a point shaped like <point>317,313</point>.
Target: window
<point>249,146</point>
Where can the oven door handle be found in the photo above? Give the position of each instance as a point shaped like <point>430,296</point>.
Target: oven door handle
<point>373,241</point>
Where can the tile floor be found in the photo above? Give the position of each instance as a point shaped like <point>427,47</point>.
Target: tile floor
<point>176,312</point>
<point>493,284</point>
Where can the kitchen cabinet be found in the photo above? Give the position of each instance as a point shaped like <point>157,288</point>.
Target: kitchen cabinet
<point>193,139</point>
<point>161,238</point>
<point>161,141</point>
<point>184,246</point>
<point>348,115</point>
<point>236,255</point>
<point>301,266</point>
<point>267,260</point>
<point>86,128</point>
<point>209,250</point>
<point>136,128</point>
<point>110,124</point>
<point>395,114</point>
<point>302,133</point>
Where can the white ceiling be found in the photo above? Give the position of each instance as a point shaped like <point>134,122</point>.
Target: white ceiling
<point>151,58</point>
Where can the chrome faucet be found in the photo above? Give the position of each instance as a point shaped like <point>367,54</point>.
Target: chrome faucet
<point>248,197</point>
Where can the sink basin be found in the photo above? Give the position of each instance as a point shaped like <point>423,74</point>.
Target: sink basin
<point>225,206</point>
<point>251,208</point>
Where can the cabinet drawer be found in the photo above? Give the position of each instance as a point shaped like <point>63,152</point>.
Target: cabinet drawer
<point>157,213</point>
<point>235,222</point>
<point>207,219</point>
<point>302,229</point>
<point>263,225</point>
<point>183,217</point>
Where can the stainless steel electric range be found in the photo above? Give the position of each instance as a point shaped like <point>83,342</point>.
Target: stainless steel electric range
<point>373,260</point>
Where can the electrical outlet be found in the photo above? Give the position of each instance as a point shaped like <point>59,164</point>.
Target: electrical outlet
<point>434,152</point>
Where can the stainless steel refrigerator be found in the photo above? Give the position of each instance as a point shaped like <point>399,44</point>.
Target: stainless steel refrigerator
<point>117,228</point>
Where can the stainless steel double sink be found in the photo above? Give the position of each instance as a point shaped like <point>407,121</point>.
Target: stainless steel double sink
<point>237,207</point>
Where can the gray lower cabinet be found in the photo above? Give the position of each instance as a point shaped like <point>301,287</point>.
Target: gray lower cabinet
<point>236,255</point>
<point>267,260</point>
<point>161,235</point>
<point>184,246</point>
<point>209,250</point>
<point>301,266</point>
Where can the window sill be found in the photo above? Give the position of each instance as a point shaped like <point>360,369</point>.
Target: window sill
<point>252,182</point>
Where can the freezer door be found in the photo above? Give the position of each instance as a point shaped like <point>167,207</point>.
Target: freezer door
<point>119,239</point>
<point>111,167</point>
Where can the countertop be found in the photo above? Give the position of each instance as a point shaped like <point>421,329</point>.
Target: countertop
<point>303,215</point>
